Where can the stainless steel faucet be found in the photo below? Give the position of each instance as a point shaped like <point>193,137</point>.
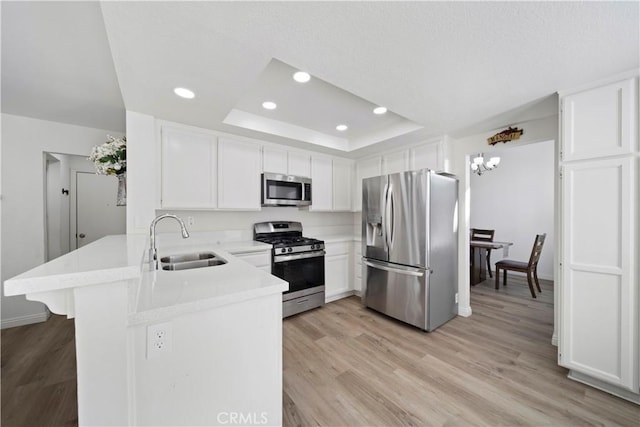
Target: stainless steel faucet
<point>153,252</point>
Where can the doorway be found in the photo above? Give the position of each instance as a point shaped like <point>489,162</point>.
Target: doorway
<point>517,200</point>
<point>80,206</point>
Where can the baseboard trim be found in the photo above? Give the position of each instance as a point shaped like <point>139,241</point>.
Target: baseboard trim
<point>464,311</point>
<point>554,339</point>
<point>25,320</point>
<point>606,387</point>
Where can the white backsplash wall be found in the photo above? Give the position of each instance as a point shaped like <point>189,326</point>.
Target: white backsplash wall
<point>238,225</point>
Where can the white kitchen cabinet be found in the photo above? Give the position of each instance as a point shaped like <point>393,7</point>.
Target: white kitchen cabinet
<point>277,159</point>
<point>599,331</point>
<point>357,267</point>
<point>274,160</point>
<point>238,174</point>
<point>342,185</point>
<point>365,168</point>
<point>188,169</point>
<point>299,164</point>
<point>395,162</point>
<point>337,263</point>
<point>321,184</point>
<point>600,122</point>
<point>425,156</point>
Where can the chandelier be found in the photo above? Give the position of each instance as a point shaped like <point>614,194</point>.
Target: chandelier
<point>479,166</point>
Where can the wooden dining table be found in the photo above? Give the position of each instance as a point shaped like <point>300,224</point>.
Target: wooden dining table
<point>478,267</point>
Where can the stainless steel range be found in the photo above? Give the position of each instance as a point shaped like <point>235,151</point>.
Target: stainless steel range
<point>298,260</point>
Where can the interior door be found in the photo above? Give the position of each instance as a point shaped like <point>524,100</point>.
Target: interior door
<point>96,212</point>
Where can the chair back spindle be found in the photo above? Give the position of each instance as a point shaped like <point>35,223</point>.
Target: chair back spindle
<point>536,251</point>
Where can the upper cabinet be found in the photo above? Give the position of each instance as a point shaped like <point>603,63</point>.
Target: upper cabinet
<point>425,156</point>
<point>188,169</point>
<point>321,183</point>
<point>274,160</point>
<point>395,162</point>
<point>331,184</point>
<point>238,174</point>
<point>299,163</point>
<point>365,169</point>
<point>278,160</point>
<point>599,122</point>
<point>342,185</point>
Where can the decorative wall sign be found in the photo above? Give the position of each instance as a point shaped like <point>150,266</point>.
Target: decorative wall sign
<point>505,136</point>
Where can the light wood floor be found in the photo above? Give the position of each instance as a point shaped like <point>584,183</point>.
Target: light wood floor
<point>346,365</point>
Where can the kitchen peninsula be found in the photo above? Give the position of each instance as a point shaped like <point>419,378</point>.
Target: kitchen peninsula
<point>162,347</point>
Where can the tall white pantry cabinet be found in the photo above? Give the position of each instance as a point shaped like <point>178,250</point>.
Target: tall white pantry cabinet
<point>599,297</point>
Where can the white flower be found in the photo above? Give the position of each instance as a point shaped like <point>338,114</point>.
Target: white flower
<point>110,158</point>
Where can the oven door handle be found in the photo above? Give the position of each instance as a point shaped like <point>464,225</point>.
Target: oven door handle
<point>293,257</point>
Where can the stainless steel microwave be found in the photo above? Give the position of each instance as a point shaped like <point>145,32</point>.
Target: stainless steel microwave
<point>285,190</point>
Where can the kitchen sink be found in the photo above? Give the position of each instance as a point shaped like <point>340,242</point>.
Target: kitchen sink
<point>189,261</point>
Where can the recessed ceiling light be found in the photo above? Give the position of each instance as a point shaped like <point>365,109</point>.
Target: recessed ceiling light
<point>184,93</point>
<point>342,128</point>
<point>301,77</point>
<point>269,105</point>
<point>379,110</point>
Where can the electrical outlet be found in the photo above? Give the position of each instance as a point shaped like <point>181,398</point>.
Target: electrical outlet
<point>456,297</point>
<point>158,340</point>
<point>190,220</point>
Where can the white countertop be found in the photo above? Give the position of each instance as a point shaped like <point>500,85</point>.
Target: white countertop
<point>341,238</point>
<point>155,294</point>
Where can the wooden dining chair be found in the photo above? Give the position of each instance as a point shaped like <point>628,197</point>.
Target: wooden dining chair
<point>484,236</point>
<point>531,268</point>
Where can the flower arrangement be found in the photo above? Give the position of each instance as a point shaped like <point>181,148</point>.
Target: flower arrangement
<point>110,158</point>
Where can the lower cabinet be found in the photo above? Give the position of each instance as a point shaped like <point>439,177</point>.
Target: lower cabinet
<point>357,267</point>
<point>337,263</point>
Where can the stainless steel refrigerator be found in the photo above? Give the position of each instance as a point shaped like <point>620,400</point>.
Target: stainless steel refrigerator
<point>410,246</point>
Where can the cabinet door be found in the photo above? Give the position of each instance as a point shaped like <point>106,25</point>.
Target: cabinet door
<point>188,169</point>
<point>238,174</point>
<point>336,276</point>
<point>341,185</point>
<point>396,162</point>
<point>274,160</point>
<point>600,122</point>
<point>321,184</point>
<point>365,169</point>
<point>299,164</point>
<point>599,329</point>
<point>425,156</point>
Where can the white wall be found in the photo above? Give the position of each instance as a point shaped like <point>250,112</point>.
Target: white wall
<point>24,140</point>
<point>535,131</point>
<point>517,200</point>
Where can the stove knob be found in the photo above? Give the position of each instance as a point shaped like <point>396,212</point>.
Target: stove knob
<point>289,250</point>
<point>283,250</point>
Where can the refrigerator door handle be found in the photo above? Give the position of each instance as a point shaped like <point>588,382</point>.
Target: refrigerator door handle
<point>387,215</point>
<point>392,228</point>
<point>408,271</point>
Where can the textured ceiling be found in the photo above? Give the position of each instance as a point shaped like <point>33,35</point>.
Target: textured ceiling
<point>441,65</point>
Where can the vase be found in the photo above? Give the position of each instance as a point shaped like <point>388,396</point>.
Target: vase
<point>122,189</point>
